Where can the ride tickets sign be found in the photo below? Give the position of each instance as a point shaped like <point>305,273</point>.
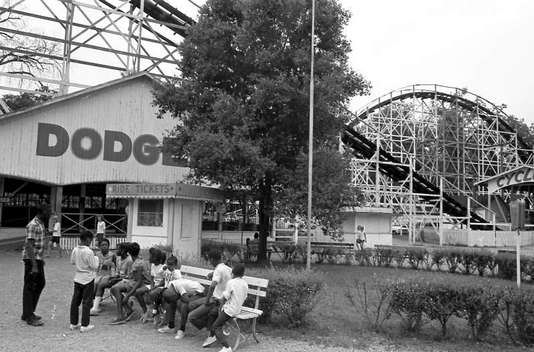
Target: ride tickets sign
<point>160,190</point>
<point>520,175</point>
<point>116,146</point>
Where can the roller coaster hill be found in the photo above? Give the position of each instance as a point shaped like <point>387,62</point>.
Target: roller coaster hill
<point>426,151</point>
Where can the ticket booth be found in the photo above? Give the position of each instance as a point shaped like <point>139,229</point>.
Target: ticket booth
<point>165,213</point>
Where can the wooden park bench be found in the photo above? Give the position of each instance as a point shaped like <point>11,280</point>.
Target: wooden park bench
<point>257,287</point>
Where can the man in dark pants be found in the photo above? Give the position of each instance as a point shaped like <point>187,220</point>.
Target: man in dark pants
<point>34,277</point>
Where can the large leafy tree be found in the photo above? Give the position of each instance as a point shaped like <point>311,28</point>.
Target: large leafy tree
<point>243,97</point>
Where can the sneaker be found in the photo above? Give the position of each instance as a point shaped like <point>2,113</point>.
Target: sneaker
<point>166,329</point>
<point>36,317</point>
<point>226,349</point>
<point>74,327</point>
<point>179,335</point>
<point>118,321</point>
<point>87,328</point>
<point>94,312</point>
<point>210,340</point>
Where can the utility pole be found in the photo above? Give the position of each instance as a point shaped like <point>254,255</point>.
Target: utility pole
<point>310,142</point>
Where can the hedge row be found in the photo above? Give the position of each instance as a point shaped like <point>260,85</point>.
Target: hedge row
<point>480,305</point>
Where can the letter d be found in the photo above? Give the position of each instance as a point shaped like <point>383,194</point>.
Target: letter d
<point>44,130</point>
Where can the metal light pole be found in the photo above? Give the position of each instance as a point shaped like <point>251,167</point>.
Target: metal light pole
<point>310,142</point>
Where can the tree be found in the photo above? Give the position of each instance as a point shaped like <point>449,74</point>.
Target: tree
<point>25,100</point>
<point>23,55</point>
<point>243,98</point>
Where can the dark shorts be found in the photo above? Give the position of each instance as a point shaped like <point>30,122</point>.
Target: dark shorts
<point>55,239</point>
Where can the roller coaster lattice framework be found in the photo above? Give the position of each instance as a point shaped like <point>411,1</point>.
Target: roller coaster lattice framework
<point>421,149</point>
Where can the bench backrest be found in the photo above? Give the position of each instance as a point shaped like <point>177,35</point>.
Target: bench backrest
<point>256,286</point>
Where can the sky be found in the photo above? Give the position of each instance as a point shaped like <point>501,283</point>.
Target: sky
<point>486,46</point>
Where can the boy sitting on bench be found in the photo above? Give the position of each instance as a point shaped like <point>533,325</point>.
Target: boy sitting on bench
<point>139,276</point>
<point>178,296</point>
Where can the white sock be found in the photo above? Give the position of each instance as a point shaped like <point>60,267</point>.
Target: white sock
<point>96,303</point>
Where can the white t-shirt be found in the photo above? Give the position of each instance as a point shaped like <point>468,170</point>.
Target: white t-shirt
<point>235,293</point>
<point>156,271</point>
<point>86,263</point>
<point>101,227</point>
<point>57,230</point>
<point>171,276</point>
<point>221,275</point>
<point>183,286</point>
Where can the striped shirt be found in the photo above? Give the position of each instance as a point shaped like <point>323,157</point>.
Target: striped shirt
<point>35,230</point>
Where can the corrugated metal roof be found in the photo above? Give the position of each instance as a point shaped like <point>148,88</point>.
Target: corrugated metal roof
<point>81,93</point>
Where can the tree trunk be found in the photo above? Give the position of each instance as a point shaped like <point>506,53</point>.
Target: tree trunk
<point>265,210</point>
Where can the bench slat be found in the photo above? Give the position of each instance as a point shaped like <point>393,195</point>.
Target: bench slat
<point>256,281</point>
<point>249,313</point>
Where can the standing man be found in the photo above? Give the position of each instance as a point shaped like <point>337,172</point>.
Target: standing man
<point>34,277</point>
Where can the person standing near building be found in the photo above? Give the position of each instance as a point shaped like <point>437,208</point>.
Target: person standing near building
<point>56,234</point>
<point>100,230</point>
<point>34,276</point>
<point>361,237</point>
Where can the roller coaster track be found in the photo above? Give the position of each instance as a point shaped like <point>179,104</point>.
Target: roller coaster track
<point>391,166</point>
<point>365,148</point>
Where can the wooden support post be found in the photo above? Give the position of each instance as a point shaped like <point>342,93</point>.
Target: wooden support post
<point>441,211</point>
<point>82,204</point>
<point>56,199</point>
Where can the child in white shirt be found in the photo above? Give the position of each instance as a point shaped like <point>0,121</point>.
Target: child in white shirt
<point>234,296</point>
<point>84,280</point>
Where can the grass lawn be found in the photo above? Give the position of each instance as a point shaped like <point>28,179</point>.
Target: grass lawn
<point>333,325</point>
<point>335,322</point>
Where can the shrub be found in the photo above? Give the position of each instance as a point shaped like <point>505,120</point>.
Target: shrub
<point>480,307</point>
<point>416,256</point>
<point>452,258</point>
<point>372,301</point>
<point>437,258</point>
<point>483,260</point>
<point>468,262</point>
<point>506,265</point>
<point>440,303</point>
<point>291,294</point>
<point>516,314</point>
<point>364,257</point>
<point>384,256</point>
<point>408,301</point>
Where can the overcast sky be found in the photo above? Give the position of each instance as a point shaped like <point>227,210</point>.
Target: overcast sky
<point>486,46</point>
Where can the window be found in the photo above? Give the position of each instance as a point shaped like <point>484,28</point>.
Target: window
<point>150,212</point>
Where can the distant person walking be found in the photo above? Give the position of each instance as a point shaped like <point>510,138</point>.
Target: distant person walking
<point>34,276</point>
<point>361,237</point>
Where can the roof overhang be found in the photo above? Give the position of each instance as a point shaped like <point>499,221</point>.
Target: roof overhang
<point>163,191</point>
<point>523,175</point>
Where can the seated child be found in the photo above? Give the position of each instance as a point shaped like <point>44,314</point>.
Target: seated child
<point>139,276</point>
<point>84,279</point>
<point>178,296</point>
<point>155,296</point>
<point>233,297</point>
<point>156,260</point>
<point>113,269</point>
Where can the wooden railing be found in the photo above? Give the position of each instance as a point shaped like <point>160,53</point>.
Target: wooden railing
<point>74,222</point>
<point>71,240</point>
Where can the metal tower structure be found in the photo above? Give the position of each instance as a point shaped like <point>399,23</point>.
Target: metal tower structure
<point>85,42</point>
<point>421,149</point>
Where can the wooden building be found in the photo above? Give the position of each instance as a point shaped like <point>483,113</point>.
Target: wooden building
<point>65,151</point>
